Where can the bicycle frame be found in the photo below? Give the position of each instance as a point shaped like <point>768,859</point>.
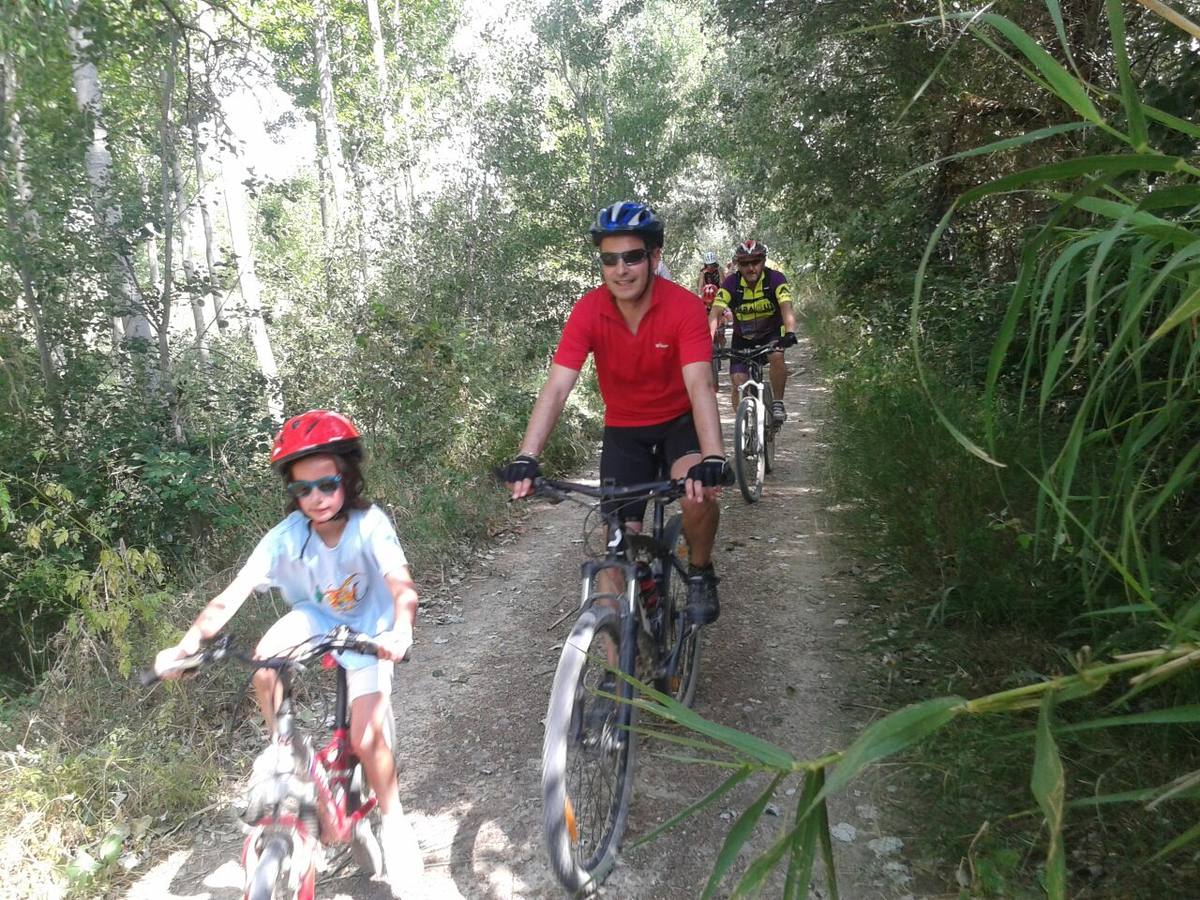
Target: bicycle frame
<point>753,387</point>
<point>329,768</point>
<point>621,552</point>
<point>755,383</point>
<point>304,796</point>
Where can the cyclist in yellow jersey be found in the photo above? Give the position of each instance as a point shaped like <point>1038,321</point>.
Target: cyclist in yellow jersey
<point>761,303</point>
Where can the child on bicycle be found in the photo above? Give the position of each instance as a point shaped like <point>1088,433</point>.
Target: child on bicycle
<point>336,559</point>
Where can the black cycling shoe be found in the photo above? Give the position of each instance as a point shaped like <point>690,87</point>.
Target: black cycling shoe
<point>703,606</point>
<point>779,412</point>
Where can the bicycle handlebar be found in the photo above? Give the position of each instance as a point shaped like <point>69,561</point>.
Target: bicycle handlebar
<point>340,638</point>
<point>671,489</point>
<point>749,354</point>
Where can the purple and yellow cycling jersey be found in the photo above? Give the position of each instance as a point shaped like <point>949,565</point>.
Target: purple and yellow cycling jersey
<point>756,315</point>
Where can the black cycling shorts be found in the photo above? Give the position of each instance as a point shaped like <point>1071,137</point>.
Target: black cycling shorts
<point>741,343</point>
<point>640,453</point>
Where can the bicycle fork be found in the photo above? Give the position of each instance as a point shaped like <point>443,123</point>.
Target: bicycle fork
<point>627,626</point>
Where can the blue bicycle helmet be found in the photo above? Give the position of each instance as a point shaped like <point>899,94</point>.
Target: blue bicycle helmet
<point>628,217</point>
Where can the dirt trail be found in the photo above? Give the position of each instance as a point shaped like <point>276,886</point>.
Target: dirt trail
<point>781,662</point>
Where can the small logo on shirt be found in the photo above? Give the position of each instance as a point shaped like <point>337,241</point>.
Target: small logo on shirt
<point>662,346</point>
<point>344,597</point>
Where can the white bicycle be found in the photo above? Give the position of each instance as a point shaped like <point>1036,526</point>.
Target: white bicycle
<point>754,426</point>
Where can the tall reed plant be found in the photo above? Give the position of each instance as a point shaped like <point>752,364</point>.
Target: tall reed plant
<point>1098,343</point>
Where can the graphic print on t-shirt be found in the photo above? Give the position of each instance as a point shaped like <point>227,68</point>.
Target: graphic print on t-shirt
<point>343,598</point>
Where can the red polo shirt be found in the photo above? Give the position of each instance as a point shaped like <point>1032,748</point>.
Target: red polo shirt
<point>641,375</point>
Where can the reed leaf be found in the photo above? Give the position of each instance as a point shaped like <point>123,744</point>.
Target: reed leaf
<point>756,873</point>
<point>1188,837</point>
<point>1183,126</point>
<point>1175,715</point>
<point>1029,137</point>
<point>804,840</point>
<point>714,795</point>
<point>1188,308</point>
<point>1060,29</point>
<point>738,835</point>
<point>1133,107</point>
<point>826,838</point>
<point>1068,89</point>
<point>894,732</point>
<point>1049,790</point>
<point>669,708</point>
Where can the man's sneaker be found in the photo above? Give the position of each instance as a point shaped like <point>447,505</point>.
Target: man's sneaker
<point>703,607</point>
<point>403,862</point>
<point>778,412</point>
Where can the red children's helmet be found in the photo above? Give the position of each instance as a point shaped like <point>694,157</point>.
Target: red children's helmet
<point>316,431</point>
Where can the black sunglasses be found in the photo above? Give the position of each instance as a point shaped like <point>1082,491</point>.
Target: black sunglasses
<point>326,486</point>
<point>629,257</point>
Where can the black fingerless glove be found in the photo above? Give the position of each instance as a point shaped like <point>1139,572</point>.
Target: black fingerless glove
<point>522,467</point>
<point>788,340</point>
<point>712,471</point>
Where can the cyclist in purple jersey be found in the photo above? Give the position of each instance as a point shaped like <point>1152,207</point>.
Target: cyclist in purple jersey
<point>761,302</point>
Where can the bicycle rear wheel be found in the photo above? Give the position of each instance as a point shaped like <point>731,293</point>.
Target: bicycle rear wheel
<point>748,462</point>
<point>587,757</point>
<point>681,683</point>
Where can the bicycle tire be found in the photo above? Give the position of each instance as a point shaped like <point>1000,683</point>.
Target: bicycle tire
<point>769,429</point>
<point>748,463</point>
<point>364,844</point>
<point>582,851</point>
<point>682,683</point>
<point>262,882</point>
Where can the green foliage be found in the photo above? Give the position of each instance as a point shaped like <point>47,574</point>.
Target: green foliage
<point>62,567</point>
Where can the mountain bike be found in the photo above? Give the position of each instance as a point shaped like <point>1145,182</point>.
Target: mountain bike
<point>301,801</point>
<point>754,425</point>
<point>590,746</point>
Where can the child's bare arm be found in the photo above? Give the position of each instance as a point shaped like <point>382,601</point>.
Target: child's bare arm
<point>216,613</point>
<point>405,598</point>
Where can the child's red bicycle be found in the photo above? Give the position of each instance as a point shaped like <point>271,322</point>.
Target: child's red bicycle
<point>301,801</point>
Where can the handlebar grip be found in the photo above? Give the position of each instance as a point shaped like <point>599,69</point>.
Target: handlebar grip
<point>148,678</point>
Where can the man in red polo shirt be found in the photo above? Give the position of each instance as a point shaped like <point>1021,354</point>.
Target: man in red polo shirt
<point>653,355</point>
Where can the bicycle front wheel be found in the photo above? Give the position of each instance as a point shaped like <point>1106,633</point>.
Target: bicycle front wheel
<point>364,845</point>
<point>748,461</point>
<point>263,880</point>
<point>588,756</point>
<point>769,429</point>
<point>680,681</point>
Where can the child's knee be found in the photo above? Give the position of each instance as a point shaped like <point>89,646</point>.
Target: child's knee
<point>368,739</point>
<point>263,679</point>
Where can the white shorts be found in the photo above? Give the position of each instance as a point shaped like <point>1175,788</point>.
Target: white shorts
<point>297,625</point>
<point>376,677</point>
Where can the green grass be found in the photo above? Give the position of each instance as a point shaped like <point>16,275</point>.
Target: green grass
<point>94,769</point>
<point>970,610</point>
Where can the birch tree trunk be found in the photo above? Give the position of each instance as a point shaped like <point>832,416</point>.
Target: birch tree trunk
<point>187,258</point>
<point>202,139</point>
<point>167,192</point>
<point>233,174</point>
<point>385,94</point>
<point>98,164</point>
<point>361,224</point>
<point>23,222</point>
<point>333,134</point>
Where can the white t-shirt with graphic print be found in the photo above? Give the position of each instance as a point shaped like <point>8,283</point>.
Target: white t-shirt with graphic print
<point>342,585</point>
